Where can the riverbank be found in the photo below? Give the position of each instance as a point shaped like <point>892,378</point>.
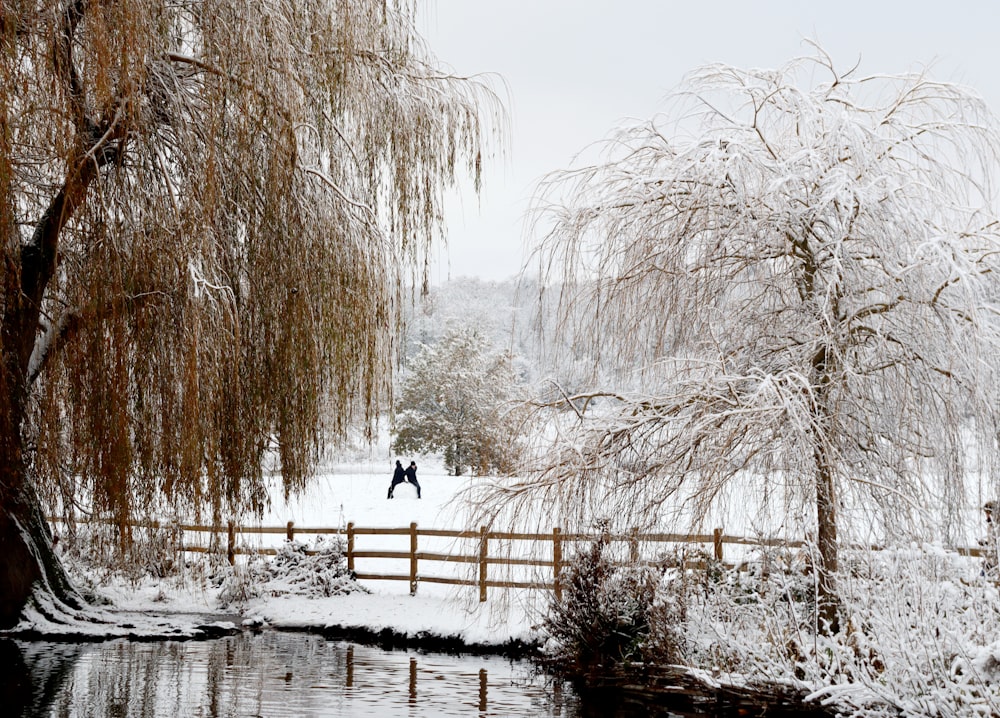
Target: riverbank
<point>441,624</point>
<point>149,612</point>
<point>412,623</point>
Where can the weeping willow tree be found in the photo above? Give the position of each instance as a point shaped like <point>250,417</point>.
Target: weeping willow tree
<point>207,209</point>
<point>789,283</point>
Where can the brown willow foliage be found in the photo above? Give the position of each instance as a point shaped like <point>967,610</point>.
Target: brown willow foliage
<point>226,196</point>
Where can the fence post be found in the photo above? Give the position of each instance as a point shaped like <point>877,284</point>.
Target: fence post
<point>413,559</point>
<point>633,546</point>
<point>483,553</point>
<point>231,544</point>
<point>350,546</point>
<point>557,562</point>
<point>175,528</point>
<point>717,543</point>
<point>290,531</point>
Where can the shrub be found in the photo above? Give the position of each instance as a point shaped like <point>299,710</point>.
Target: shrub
<point>603,620</point>
<point>313,571</point>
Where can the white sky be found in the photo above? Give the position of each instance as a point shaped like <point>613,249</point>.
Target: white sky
<point>577,68</point>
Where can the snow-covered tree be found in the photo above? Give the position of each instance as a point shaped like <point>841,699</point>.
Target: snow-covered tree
<point>206,211</point>
<point>458,398</point>
<point>515,314</point>
<point>793,273</point>
<point>465,301</point>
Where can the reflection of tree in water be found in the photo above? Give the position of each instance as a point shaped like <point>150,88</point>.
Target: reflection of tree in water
<point>232,676</point>
<point>122,678</point>
<point>270,674</point>
<point>33,675</point>
<point>171,678</point>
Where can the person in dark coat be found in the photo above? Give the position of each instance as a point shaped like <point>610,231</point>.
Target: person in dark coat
<point>411,476</point>
<point>398,477</point>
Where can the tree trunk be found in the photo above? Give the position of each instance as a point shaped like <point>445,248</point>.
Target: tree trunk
<point>31,573</point>
<point>828,603</point>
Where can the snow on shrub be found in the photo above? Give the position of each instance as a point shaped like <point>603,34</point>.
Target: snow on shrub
<point>919,631</point>
<point>297,569</point>
<point>918,635</point>
<point>604,617</point>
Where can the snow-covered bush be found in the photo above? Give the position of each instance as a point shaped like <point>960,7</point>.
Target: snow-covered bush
<point>919,635</point>
<point>918,638</point>
<point>604,617</point>
<point>297,569</point>
<point>319,570</point>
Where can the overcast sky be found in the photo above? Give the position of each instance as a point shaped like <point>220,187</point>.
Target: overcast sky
<point>575,69</point>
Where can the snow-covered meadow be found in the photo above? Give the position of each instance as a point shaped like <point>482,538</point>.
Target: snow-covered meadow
<point>341,493</point>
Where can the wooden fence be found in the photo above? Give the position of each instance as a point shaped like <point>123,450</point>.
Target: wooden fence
<point>484,541</point>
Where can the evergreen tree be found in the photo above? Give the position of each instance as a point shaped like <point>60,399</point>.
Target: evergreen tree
<point>457,397</point>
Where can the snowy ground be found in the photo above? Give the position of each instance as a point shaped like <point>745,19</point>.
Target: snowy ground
<point>357,493</point>
<point>342,493</point>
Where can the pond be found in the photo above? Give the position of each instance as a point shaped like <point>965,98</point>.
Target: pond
<point>267,674</point>
<point>275,674</point>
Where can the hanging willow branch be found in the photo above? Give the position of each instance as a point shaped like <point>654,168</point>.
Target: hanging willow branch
<point>208,209</point>
<point>787,283</point>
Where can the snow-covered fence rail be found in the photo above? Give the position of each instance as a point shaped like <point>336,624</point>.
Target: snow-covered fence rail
<point>479,550</point>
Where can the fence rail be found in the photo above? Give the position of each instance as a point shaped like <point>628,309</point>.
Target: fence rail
<point>553,563</point>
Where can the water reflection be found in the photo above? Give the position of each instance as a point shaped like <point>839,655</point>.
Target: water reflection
<point>286,674</point>
<point>270,674</point>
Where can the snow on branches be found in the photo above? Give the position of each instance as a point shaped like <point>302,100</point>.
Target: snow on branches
<point>790,274</point>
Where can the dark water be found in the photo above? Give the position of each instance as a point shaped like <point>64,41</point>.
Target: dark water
<point>275,674</point>
<point>269,674</point>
